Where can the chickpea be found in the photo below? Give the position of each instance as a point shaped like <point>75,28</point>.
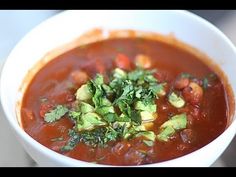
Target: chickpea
<point>143,61</point>
<point>79,77</point>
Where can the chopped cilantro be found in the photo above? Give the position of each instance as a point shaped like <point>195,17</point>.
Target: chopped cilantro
<point>105,112</point>
<point>57,139</point>
<point>55,114</point>
<point>74,140</point>
<point>74,115</point>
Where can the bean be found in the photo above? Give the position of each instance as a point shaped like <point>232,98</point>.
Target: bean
<point>143,61</point>
<point>181,83</point>
<point>193,93</point>
<point>187,136</point>
<point>79,77</point>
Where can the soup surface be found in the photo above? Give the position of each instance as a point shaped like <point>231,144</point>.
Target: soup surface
<point>125,101</point>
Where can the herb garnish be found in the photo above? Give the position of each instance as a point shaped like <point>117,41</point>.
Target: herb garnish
<point>57,139</point>
<point>55,114</point>
<point>105,112</point>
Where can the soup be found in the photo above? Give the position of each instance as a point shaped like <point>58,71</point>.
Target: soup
<point>125,101</point>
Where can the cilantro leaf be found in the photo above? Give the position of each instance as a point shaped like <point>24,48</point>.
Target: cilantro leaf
<point>74,115</point>
<point>55,114</point>
<point>57,139</point>
<point>136,117</point>
<point>73,141</point>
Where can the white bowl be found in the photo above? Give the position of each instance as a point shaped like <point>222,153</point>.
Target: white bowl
<point>68,25</point>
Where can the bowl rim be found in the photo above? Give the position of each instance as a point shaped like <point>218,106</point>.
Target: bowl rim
<point>68,161</point>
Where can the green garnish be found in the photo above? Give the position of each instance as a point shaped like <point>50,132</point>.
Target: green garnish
<point>89,121</point>
<point>115,110</point>
<point>139,105</point>
<point>177,122</point>
<point>205,83</point>
<point>96,137</point>
<point>119,73</point>
<point>147,134</point>
<point>147,116</point>
<point>83,93</point>
<point>57,139</point>
<point>148,143</point>
<point>86,108</point>
<point>176,100</point>
<point>74,140</point>
<point>166,133</point>
<point>74,115</point>
<point>55,114</point>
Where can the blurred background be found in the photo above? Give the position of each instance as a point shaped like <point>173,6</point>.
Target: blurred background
<point>14,24</point>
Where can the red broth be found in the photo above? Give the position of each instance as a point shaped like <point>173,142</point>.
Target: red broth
<point>56,83</point>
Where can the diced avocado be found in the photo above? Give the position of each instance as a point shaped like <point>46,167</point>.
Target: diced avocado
<point>148,143</point>
<point>150,135</point>
<point>105,102</point>
<point>139,128</point>
<point>161,91</point>
<point>176,122</point>
<point>119,73</point>
<point>123,118</point>
<point>121,124</point>
<point>107,89</point>
<point>99,79</point>
<point>147,116</point>
<point>166,133</point>
<point>138,93</point>
<point>176,100</point>
<point>139,105</point>
<point>110,117</point>
<point>89,121</point>
<point>83,93</point>
<point>105,110</point>
<point>85,107</point>
<point>158,89</point>
<point>130,131</point>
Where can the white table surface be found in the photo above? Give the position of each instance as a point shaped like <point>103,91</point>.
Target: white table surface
<point>11,152</point>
